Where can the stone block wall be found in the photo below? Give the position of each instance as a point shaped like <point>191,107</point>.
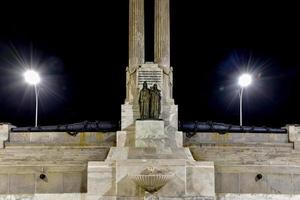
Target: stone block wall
<point>61,157</point>
<point>63,138</point>
<point>233,138</point>
<point>26,179</point>
<point>238,167</point>
<point>230,196</point>
<point>245,179</point>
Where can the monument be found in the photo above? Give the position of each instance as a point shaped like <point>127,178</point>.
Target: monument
<point>149,158</point>
<point>149,102</point>
<point>149,135</point>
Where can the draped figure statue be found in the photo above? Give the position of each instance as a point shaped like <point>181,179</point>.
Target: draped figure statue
<point>155,102</point>
<point>144,102</point>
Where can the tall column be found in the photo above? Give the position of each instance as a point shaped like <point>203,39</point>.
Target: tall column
<point>162,33</point>
<point>162,45</point>
<point>136,34</point>
<point>136,46</point>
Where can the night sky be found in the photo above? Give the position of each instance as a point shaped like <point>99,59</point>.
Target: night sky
<point>81,51</point>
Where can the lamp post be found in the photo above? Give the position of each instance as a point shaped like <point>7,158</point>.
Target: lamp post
<point>33,78</point>
<point>244,81</point>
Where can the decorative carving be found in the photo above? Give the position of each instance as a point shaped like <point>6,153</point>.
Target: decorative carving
<point>152,179</point>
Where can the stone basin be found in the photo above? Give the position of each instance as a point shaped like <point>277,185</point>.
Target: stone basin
<point>152,182</point>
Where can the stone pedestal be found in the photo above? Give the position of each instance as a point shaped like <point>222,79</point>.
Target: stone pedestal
<point>151,133</point>
<point>294,135</point>
<point>4,133</point>
<point>150,143</point>
<point>113,178</point>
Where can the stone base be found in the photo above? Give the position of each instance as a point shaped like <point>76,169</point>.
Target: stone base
<point>84,196</point>
<point>153,133</point>
<point>113,178</point>
<point>125,153</point>
<point>125,139</point>
<point>150,133</point>
<point>4,133</point>
<point>78,196</point>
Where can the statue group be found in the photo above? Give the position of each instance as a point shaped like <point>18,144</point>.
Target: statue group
<point>150,102</point>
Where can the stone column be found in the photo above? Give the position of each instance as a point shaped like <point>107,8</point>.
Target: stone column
<point>162,33</point>
<point>136,34</point>
<point>162,45</point>
<point>136,46</point>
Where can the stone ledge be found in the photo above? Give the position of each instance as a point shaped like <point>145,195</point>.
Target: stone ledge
<point>230,196</point>
<point>241,145</point>
<point>42,146</point>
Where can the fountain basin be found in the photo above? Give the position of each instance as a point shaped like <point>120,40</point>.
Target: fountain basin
<point>152,182</point>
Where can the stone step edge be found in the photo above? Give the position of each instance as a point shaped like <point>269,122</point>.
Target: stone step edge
<point>52,146</point>
<point>238,145</point>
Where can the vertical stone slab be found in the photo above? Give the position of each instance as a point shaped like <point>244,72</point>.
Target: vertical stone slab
<point>150,133</point>
<point>200,179</point>
<point>280,183</point>
<point>296,183</point>
<point>4,134</point>
<point>72,182</point>
<point>294,132</point>
<point>22,184</point>
<point>248,183</point>
<point>101,179</point>
<point>294,135</point>
<point>222,180</point>
<point>125,139</point>
<point>3,183</point>
<point>53,183</point>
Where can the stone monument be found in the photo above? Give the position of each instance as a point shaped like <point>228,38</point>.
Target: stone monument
<point>155,102</point>
<point>149,160</point>
<point>149,102</point>
<point>149,123</point>
<point>144,102</point>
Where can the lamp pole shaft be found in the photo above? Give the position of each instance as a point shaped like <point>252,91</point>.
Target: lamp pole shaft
<point>241,106</point>
<point>36,104</point>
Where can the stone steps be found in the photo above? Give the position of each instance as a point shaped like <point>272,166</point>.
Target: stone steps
<point>63,138</point>
<point>247,154</point>
<point>55,154</point>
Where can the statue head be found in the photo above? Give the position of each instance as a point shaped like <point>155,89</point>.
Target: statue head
<point>155,86</point>
<point>145,86</point>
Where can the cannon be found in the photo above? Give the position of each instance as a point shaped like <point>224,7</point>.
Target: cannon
<point>221,128</point>
<point>86,126</point>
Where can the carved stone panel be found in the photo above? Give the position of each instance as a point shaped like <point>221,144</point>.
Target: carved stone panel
<point>150,73</point>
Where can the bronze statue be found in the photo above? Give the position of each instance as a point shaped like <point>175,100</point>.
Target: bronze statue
<point>155,102</point>
<point>144,101</point>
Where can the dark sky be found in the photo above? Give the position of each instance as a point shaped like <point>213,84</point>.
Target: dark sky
<point>81,50</point>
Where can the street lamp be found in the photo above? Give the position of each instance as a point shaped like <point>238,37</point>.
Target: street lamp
<point>244,81</point>
<point>33,78</point>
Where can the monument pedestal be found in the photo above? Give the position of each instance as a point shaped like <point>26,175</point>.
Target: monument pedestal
<point>150,144</point>
<point>152,133</point>
<point>113,178</point>
<point>154,147</point>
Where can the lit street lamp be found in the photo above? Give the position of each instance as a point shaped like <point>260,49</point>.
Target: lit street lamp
<point>33,78</point>
<point>244,81</point>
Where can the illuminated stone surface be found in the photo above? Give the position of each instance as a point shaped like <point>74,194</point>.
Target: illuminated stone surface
<point>98,166</point>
